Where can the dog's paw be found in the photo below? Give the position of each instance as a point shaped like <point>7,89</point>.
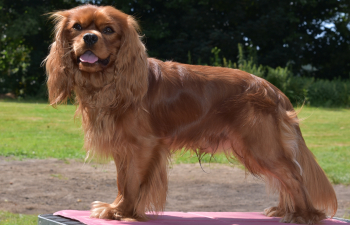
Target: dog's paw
<point>103,210</point>
<point>312,217</point>
<point>273,212</point>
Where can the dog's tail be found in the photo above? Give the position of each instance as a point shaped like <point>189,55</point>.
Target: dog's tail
<point>320,190</point>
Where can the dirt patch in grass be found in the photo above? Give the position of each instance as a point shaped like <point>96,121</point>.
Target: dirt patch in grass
<point>47,186</point>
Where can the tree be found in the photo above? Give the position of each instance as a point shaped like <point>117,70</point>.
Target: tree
<point>25,38</point>
<point>313,36</point>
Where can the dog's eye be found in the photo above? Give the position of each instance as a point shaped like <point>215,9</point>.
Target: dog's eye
<point>77,26</point>
<point>108,30</point>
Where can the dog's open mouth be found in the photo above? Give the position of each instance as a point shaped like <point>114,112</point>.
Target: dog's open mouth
<point>91,58</point>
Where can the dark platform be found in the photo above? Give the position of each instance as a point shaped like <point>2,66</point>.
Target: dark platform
<point>50,219</point>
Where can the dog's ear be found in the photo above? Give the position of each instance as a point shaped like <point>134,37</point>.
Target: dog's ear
<point>59,64</point>
<point>131,66</point>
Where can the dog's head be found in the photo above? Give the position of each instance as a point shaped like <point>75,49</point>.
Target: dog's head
<point>93,47</point>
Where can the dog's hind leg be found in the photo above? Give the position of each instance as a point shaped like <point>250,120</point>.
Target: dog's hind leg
<point>271,149</point>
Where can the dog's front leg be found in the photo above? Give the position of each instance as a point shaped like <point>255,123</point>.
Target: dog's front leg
<point>142,184</point>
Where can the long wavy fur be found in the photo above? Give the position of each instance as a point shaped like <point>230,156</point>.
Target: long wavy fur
<point>139,110</point>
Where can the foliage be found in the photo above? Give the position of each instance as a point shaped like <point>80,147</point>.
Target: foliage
<point>249,65</point>
<point>315,33</point>
<point>299,90</point>
<point>329,93</point>
<point>216,61</point>
<point>279,77</point>
<point>25,35</point>
<point>309,34</point>
<point>14,61</point>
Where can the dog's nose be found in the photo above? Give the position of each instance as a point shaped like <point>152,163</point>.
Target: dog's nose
<point>90,39</point>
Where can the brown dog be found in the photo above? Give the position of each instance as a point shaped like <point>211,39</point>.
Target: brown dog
<point>139,110</point>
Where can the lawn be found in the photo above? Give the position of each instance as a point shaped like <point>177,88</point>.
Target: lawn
<point>29,130</point>
<point>327,134</point>
<point>7,218</point>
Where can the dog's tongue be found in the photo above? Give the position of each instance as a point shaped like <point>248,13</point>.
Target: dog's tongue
<point>89,57</point>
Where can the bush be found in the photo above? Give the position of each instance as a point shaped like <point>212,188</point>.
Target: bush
<point>299,90</point>
<point>279,77</point>
<point>329,93</point>
<point>250,65</point>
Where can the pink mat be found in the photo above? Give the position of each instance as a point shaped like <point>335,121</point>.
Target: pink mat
<point>190,218</point>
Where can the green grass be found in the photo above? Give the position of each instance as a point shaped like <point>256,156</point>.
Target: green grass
<point>346,216</point>
<point>29,130</point>
<point>327,134</point>
<point>190,157</point>
<point>7,218</point>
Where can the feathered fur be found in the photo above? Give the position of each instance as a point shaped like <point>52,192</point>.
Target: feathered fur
<point>139,110</point>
